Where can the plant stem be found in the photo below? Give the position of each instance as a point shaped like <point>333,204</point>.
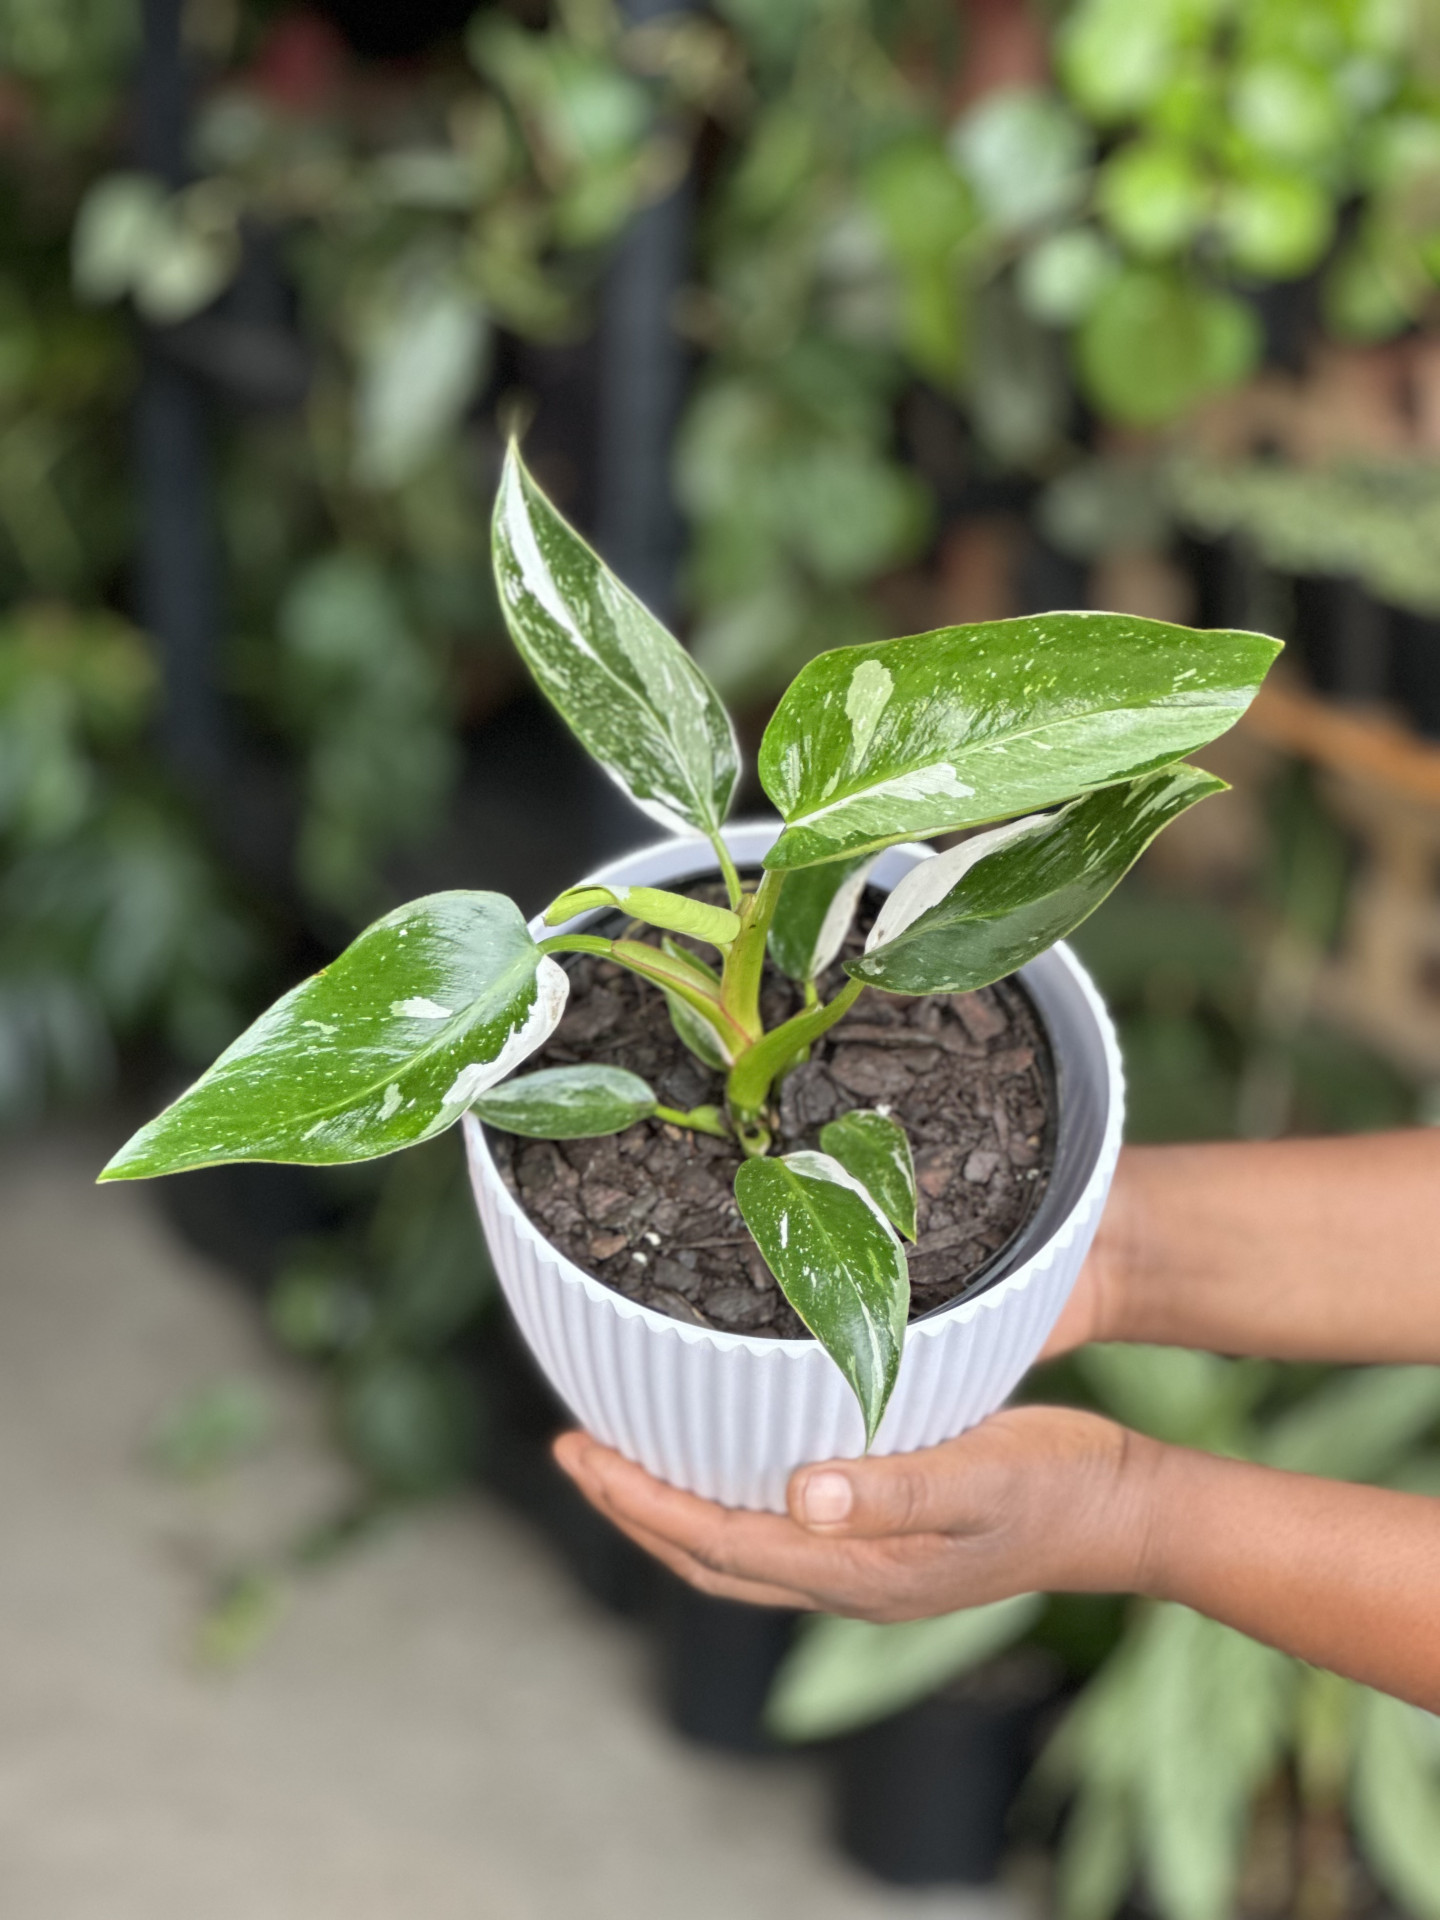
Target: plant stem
<point>697,1119</point>
<point>675,975</point>
<point>727,867</point>
<point>577,943</point>
<point>745,962</point>
<point>755,1071</point>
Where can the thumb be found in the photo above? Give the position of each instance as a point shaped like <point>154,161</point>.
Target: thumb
<point>954,1488</point>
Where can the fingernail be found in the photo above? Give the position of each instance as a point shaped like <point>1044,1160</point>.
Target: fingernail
<point>827,1497</point>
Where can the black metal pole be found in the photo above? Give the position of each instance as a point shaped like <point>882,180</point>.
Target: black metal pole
<point>177,585</point>
<point>643,370</point>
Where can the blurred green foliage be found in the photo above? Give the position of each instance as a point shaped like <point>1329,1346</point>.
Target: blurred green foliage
<point>112,921</point>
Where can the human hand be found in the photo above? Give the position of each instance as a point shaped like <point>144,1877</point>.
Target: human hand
<point>1097,1306</point>
<point>1035,1498</point>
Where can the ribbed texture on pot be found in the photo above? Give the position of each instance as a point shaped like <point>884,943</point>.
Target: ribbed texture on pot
<point>730,1416</point>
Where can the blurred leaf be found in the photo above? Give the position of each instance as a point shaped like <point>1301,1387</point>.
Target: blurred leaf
<point>240,1620</point>
<point>1189,1399</point>
<point>116,225</point>
<point>1372,290</point>
<point>1025,156</point>
<point>1358,1426</point>
<point>842,1674</point>
<point>1154,344</point>
<point>1276,225</point>
<point>1018,393</point>
<point>1155,198</point>
<point>318,1311</point>
<point>422,358</point>
<point>1062,276</point>
<point>1396,1801</point>
<point>213,1429</point>
<point>1288,111</point>
<point>409,1423</point>
<point>1115,56</point>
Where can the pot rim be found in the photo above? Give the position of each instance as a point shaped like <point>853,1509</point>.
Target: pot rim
<point>748,841</point>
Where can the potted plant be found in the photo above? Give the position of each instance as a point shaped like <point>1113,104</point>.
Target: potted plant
<point>426,1017</point>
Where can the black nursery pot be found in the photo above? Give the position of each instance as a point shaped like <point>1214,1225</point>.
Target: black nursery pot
<point>718,1660</point>
<point>924,1798</point>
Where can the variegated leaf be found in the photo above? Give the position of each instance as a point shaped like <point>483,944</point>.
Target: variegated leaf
<point>911,738</point>
<point>625,687</point>
<point>388,1045</point>
<point>982,909</point>
<point>839,1264</point>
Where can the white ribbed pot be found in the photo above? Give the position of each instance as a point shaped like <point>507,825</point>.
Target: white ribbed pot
<point>731,1416</point>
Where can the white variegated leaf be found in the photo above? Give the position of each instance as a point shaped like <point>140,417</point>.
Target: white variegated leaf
<point>838,1262</point>
<point>928,881</point>
<point>626,688</point>
<point>813,915</point>
<point>389,1044</point>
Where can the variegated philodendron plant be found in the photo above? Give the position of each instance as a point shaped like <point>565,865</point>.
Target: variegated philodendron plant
<point>1069,728</point>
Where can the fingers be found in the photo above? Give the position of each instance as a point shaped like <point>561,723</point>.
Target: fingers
<point>581,1458</point>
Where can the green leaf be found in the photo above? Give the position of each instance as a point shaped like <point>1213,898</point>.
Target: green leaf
<point>388,1045</point>
<point>967,725</point>
<point>839,1264</point>
<point>1024,154</point>
<point>1396,1801</point>
<point>1276,225</point>
<point>982,909</point>
<point>657,908</point>
<point>212,1429</point>
<point>422,351</point>
<point>568,1103</point>
<point>845,1673</point>
<point>1154,197</point>
<point>1063,275</point>
<point>1359,1426</point>
<point>1155,343</point>
<point>813,915</point>
<point>627,690</point>
<point>873,1147</point>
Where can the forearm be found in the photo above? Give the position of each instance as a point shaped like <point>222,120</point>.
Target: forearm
<point>1296,1249</point>
<point>1345,1577</point>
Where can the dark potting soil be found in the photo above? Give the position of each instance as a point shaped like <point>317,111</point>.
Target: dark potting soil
<point>651,1211</point>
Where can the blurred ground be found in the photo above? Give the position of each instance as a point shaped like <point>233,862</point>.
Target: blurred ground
<point>438,1726</point>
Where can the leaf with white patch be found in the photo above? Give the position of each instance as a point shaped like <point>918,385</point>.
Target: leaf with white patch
<point>675,912</point>
<point>982,909</point>
<point>813,915</point>
<point>914,737</point>
<point>567,1103</point>
<point>873,1147</point>
<point>838,1262</point>
<point>389,1044</point>
<point>627,689</point>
